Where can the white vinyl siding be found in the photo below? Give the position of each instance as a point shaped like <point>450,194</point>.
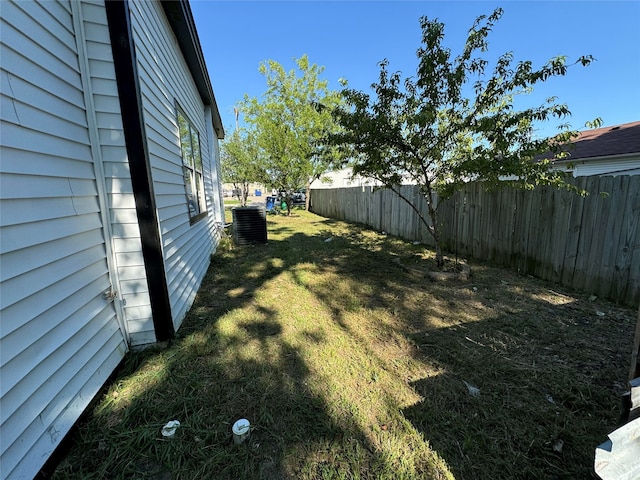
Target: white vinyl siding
<point>212,181</point>
<point>60,338</point>
<point>126,245</point>
<point>164,80</point>
<point>614,165</point>
<point>611,166</point>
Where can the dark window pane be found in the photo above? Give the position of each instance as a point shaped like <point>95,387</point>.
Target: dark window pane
<point>192,201</point>
<point>200,190</point>
<point>185,139</point>
<point>196,150</point>
<point>192,165</point>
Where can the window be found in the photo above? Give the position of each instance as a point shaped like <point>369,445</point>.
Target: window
<point>192,167</point>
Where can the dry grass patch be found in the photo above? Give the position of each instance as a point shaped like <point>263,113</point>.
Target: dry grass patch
<point>348,366</point>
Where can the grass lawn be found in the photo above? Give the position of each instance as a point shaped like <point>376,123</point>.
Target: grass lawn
<point>349,364</point>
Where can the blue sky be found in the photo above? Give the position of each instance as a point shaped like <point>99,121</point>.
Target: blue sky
<point>349,38</point>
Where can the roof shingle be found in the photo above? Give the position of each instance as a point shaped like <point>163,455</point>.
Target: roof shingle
<point>607,141</point>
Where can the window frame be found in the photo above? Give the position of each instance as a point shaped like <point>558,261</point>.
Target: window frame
<point>192,167</point>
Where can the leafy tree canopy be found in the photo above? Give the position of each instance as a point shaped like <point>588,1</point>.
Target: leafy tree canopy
<point>289,123</point>
<point>239,162</point>
<point>438,132</point>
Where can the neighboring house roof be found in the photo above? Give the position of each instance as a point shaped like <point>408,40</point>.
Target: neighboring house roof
<point>606,142</point>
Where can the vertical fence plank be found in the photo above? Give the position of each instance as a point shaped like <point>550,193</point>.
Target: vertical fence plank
<point>393,203</point>
<point>612,235</point>
<point>465,241</point>
<point>525,229</point>
<point>417,224</point>
<point>587,227</point>
<point>520,232</point>
<point>507,225</point>
<point>545,221</point>
<point>632,293</point>
<point>476,233</point>
<point>590,243</point>
<point>559,233</point>
<point>574,229</point>
<point>484,200</point>
<point>447,211</point>
<point>492,214</point>
<point>602,206</point>
<point>407,219</point>
<point>385,209</point>
<point>459,218</point>
<point>374,211</point>
<point>503,226</point>
<point>547,214</point>
<point>622,228</point>
<point>533,231</point>
<point>463,222</point>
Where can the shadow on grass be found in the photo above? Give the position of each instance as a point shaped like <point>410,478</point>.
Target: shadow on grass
<point>542,408</point>
<point>245,350</point>
<point>550,375</point>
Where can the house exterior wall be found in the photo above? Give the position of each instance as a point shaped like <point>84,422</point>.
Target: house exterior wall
<point>60,338</point>
<point>69,230</point>
<point>166,83</point>
<point>132,288</point>
<point>614,165</point>
<point>341,179</point>
<point>610,166</point>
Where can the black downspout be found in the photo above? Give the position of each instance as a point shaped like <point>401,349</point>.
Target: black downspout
<point>124,59</point>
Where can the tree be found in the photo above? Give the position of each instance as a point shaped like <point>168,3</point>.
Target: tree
<point>238,162</point>
<point>430,130</point>
<point>290,122</point>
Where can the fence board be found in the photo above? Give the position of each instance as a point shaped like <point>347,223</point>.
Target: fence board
<point>590,243</point>
<point>533,231</point>
<point>459,214</point>
<point>536,233</point>
<point>560,219</point>
<point>632,292</point>
<point>447,211</point>
<point>503,227</point>
<point>612,236</point>
<point>588,225</point>
<point>476,226</point>
<point>547,204</point>
<point>548,213</point>
<point>491,233</point>
<point>597,234</point>
<point>573,233</point>
<point>519,242</point>
<point>466,243</point>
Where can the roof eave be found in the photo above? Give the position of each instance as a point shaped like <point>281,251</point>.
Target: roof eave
<point>622,156</point>
<point>181,20</point>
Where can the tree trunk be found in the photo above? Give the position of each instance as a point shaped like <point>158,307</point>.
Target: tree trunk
<point>239,193</point>
<point>439,257</point>
<point>289,202</point>
<point>245,194</point>
<point>435,230</point>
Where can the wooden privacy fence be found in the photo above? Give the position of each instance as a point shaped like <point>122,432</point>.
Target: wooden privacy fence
<point>589,243</point>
